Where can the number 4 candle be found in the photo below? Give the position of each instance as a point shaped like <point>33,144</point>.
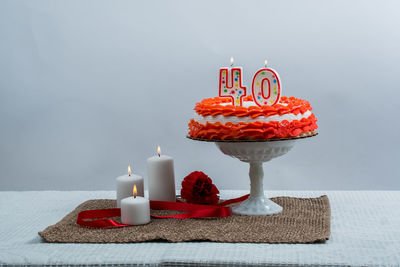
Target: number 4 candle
<point>230,84</point>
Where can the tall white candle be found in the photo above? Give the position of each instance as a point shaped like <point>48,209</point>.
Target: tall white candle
<point>160,170</point>
<point>125,184</point>
<point>135,210</point>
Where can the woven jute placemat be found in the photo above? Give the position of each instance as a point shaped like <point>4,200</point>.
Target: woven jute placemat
<point>303,220</point>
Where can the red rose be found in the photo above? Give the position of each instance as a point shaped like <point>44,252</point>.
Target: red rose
<point>198,188</point>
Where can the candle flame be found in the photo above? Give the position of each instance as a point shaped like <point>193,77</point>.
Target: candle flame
<point>134,190</point>
<point>129,170</point>
<point>159,151</point>
<point>232,61</point>
<point>265,63</point>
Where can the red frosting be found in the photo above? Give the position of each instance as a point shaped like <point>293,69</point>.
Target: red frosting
<point>212,107</point>
<point>253,130</point>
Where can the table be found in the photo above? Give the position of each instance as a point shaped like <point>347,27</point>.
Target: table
<point>365,230</point>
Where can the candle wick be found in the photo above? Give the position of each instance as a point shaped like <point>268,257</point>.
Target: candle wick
<point>134,196</point>
<point>129,174</point>
<point>159,154</point>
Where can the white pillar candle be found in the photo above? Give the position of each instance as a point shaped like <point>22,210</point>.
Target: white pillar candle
<point>125,184</point>
<point>135,210</point>
<point>160,170</point>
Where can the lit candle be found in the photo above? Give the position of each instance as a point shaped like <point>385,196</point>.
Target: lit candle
<point>125,184</point>
<point>160,170</point>
<point>266,86</point>
<point>135,210</point>
<point>230,84</point>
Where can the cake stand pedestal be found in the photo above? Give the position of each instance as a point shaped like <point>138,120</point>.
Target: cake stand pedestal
<point>256,153</point>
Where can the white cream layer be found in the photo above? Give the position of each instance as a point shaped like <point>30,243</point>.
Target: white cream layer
<point>224,119</point>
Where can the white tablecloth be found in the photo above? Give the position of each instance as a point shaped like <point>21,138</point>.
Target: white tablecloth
<point>365,231</point>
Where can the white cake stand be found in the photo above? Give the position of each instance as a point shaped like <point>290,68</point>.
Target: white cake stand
<point>256,153</point>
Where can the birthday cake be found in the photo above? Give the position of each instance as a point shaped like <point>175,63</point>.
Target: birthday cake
<point>235,116</point>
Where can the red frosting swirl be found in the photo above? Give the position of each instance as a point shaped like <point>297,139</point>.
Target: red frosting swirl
<point>212,107</point>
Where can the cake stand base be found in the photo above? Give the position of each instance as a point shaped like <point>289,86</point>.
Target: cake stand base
<point>257,206</point>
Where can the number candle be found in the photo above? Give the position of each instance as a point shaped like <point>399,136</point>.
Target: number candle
<point>266,87</point>
<point>230,84</point>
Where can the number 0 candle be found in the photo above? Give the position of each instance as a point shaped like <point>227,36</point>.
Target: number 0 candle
<point>266,87</point>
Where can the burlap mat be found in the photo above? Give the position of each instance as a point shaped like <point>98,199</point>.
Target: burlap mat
<point>303,220</point>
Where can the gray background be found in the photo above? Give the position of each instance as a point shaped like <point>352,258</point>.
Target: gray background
<point>88,87</point>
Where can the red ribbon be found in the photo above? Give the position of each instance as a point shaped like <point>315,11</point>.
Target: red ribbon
<point>193,211</point>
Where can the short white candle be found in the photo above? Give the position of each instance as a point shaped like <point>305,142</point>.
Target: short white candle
<point>135,210</point>
<point>125,184</point>
<point>160,170</point>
